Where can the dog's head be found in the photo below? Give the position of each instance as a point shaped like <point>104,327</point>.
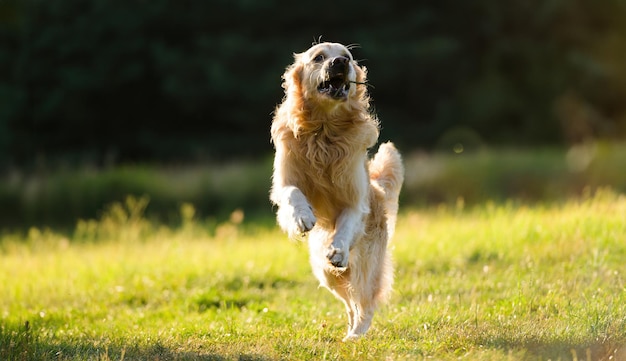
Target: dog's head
<point>326,73</point>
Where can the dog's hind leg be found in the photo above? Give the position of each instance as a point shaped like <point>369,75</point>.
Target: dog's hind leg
<point>370,283</point>
<point>363,314</point>
<point>338,284</point>
<point>340,289</point>
<point>360,309</point>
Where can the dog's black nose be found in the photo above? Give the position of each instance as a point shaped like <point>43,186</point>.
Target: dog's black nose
<point>339,61</point>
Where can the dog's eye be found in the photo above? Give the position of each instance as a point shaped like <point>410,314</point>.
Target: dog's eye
<point>319,58</point>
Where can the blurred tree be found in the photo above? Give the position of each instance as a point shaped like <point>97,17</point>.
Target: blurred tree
<point>131,80</point>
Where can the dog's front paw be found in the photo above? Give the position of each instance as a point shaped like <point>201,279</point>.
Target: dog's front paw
<point>295,215</point>
<point>304,219</point>
<point>337,257</point>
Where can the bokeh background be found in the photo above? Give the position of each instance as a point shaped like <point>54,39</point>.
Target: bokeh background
<point>487,99</point>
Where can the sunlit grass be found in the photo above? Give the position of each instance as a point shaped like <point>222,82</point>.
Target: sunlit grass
<point>487,282</point>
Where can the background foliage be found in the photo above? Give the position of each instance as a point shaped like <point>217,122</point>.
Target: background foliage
<point>108,81</point>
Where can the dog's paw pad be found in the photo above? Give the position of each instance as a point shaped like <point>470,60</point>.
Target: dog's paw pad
<point>337,257</point>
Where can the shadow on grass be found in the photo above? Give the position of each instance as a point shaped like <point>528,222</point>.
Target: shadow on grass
<point>20,343</point>
<point>561,350</point>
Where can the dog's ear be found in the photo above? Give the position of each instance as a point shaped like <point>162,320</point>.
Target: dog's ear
<point>361,73</point>
<point>288,111</point>
<point>292,77</point>
<point>361,79</point>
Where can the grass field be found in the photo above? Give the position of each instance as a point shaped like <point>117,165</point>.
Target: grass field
<point>487,282</point>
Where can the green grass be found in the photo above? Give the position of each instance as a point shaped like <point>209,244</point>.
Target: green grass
<point>487,282</point>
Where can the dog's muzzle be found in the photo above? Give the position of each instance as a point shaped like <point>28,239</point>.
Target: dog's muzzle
<point>336,84</point>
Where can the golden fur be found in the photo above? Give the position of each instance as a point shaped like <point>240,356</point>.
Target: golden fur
<point>324,183</point>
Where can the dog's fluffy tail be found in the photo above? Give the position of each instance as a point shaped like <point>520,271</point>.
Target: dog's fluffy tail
<point>387,171</point>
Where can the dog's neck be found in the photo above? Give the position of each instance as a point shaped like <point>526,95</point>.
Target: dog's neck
<point>331,117</point>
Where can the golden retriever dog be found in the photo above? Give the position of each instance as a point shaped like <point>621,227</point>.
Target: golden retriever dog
<point>325,184</point>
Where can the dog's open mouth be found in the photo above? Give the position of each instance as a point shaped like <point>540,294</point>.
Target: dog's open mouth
<point>337,86</point>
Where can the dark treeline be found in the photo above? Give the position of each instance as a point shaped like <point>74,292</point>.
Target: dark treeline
<point>103,81</point>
